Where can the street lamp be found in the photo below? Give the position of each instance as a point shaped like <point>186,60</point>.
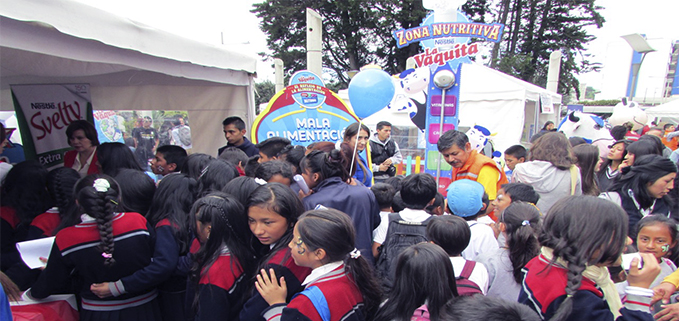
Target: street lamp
<point>640,45</point>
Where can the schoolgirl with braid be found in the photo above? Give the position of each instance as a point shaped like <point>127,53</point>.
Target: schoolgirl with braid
<point>169,214</point>
<point>105,247</point>
<point>60,183</point>
<point>225,262</point>
<point>581,236</point>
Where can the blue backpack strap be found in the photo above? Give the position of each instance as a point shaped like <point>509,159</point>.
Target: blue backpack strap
<point>315,295</point>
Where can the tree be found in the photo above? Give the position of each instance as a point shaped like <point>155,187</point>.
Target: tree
<point>359,32</point>
<point>536,28</point>
<point>355,33</point>
<point>263,92</point>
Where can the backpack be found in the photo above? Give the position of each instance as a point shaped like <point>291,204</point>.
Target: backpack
<point>400,235</point>
<point>184,135</point>
<point>466,287</point>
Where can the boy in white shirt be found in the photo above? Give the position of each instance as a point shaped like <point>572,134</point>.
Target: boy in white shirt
<point>466,200</point>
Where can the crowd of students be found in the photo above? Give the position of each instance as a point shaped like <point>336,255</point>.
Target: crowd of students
<point>292,233</point>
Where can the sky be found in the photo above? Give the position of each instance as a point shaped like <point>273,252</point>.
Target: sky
<point>232,24</point>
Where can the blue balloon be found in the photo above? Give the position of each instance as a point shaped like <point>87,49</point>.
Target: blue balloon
<point>370,91</point>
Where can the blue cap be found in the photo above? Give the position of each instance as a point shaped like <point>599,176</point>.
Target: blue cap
<point>465,197</point>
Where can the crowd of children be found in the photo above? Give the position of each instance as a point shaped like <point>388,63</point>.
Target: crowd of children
<point>294,234</point>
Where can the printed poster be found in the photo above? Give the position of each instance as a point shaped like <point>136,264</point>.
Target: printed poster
<point>43,114</point>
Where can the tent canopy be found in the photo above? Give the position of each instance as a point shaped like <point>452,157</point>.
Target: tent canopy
<point>488,98</point>
<point>129,66</point>
<point>504,104</point>
<point>669,109</point>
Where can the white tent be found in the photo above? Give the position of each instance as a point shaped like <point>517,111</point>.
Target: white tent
<point>129,66</point>
<point>669,109</point>
<point>504,104</point>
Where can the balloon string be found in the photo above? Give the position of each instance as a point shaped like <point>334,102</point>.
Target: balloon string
<point>353,157</point>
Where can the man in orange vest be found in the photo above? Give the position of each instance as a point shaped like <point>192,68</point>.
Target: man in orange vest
<point>469,164</point>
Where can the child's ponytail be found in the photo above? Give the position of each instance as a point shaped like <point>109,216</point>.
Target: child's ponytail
<point>522,225</point>
<point>333,231</point>
<point>362,273</point>
<point>60,183</point>
<point>327,165</point>
<point>98,196</point>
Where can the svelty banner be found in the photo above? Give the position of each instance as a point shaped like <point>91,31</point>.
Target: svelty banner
<point>44,112</point>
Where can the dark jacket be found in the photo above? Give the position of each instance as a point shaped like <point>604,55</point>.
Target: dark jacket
<point>356,201</point>
<point>247,147</point>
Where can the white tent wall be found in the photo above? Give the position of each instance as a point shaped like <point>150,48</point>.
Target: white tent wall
<point>502,117</point>
<point>668,109</point>
<point>667,112</point>
<point>505,105</point>
<point>128,66</point>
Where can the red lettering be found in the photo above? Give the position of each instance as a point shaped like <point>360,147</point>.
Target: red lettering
<point>55,120</point>
<point>37,126</point>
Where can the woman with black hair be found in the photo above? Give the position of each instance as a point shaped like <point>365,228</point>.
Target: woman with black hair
<point>60,183</point>
<point>356,141</point>
<point>609,169</point>
<point>107,245</point>
<point>82,136</point>
<point>325,174</point>
<point>225,262</point>
<point>241,187</point>
<point>115,156</point>
<point>639,148</point>
<point>641,189</point>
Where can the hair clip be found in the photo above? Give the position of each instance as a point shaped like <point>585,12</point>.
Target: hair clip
<point>536,207</point>
<point>202,172</point>
<point>114,202</point>
<point>525,222</point>
<point>260,181</point>
<point>101,185</point>
<point>355,253</point>
<point>106,255</point>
